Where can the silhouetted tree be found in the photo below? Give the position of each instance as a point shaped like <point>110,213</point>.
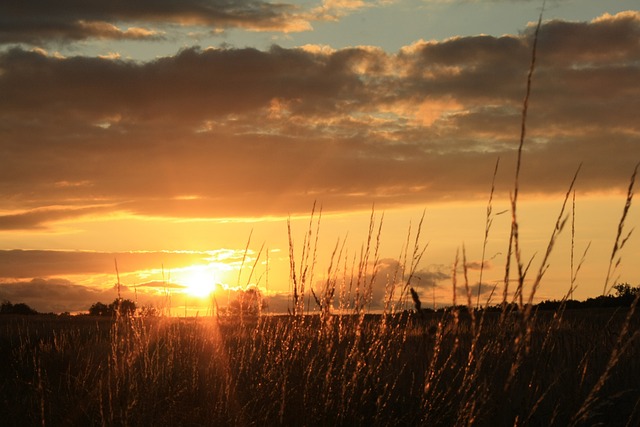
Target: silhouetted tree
<point>123,307</point>
<point>19,308</point>
<point>6,307</point>
<point>625,293</point>
<point>248,303</point>
<point>100,309</point>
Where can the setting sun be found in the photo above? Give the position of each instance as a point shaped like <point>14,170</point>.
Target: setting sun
<point>199,281</point>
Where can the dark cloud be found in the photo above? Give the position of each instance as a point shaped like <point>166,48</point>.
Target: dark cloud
<point>69,20</point>
<point>61,295</point>
<point>607,40</point>
<point>40,263</point>
<point>193,86</point>
<point>38,218</point>
<point>427,279</point>
<point>477,265</point>
<point>54,295</point>
<point>426,282</point>
<point>243,132</point>
<point>388,288</point>
<point>277,303</point>
<point>485,291</point>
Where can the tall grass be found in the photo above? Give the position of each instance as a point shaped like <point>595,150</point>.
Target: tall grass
<point>432,370</point>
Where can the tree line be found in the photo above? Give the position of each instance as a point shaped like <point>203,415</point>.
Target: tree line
<point>250,303</point>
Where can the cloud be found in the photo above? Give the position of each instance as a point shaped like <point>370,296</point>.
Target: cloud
<point>332,10</point>
<point>67,20</point>
<point>54,295</point>
<point>477,265</point>
<point>41,23</point>
<point>485,290</point>
<point>44,30</point>
<point>38,218</point>
<point>61,295</point>
<point>211,133</point>
<point>390,284</point>
<point>22,264</point>
<point>277,302</point>
<point>606,40</point>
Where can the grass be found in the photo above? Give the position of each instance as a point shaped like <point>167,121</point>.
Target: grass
<point>353,370</point>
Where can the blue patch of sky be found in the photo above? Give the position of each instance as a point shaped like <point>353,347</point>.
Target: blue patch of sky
<point>389,27</point>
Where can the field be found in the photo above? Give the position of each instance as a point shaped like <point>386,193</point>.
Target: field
<point>577,367</point>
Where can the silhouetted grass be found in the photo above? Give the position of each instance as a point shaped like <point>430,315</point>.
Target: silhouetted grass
<point>354,370</point>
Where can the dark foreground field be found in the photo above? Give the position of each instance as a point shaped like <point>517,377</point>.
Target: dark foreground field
<point>582,369</point>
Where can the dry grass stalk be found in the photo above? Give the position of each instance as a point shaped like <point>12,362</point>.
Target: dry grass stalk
<point>557,229</point>
<point>300,279</point>
<point>487,229</point>
<point>620,241</point>
<point>408,271</point>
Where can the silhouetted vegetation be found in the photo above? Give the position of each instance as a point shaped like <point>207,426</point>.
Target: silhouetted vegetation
<point>100,309</point>
<point>19,308</point>
<point>248,302</point>
<point>123,307</point>
<point>623,297</point>
<point>437,369</point>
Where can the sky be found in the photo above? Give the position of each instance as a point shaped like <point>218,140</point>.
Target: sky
<point>181,148</point>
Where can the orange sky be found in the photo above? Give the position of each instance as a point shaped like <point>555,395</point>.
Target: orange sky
<point>172,160</point>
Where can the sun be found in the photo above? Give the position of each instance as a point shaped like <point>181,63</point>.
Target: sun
<point>199,281</point>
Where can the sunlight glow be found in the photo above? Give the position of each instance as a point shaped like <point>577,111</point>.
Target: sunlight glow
<point>200,280</point>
